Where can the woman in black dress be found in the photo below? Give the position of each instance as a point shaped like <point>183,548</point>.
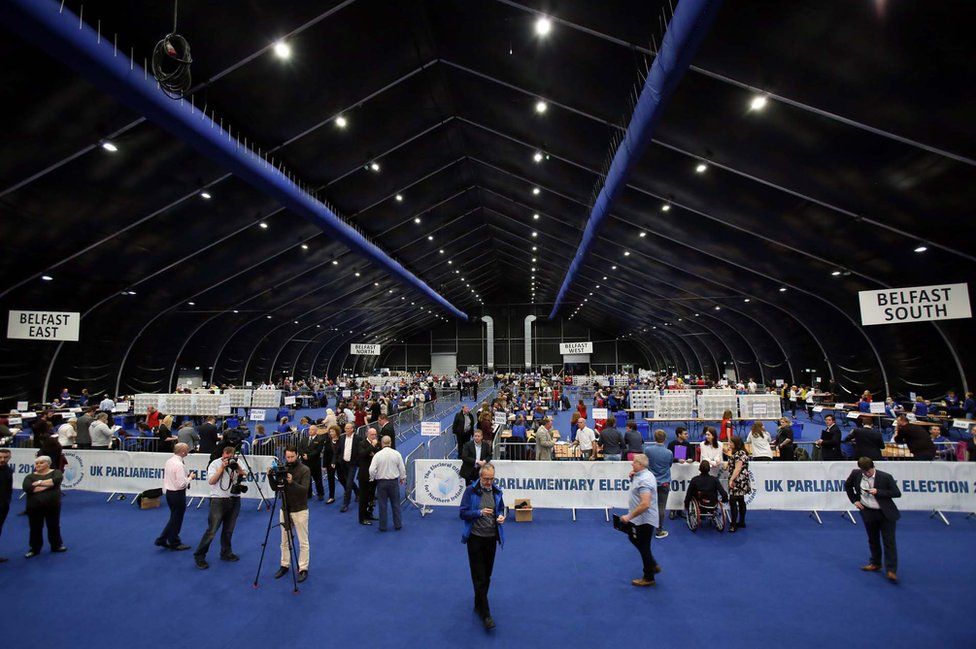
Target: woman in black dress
<point>43,489</point>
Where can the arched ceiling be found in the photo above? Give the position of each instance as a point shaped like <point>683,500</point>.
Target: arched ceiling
<point>863,152</point>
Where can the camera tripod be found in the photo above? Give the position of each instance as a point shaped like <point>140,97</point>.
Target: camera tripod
<point>257,485</point>
<point>286,522</point>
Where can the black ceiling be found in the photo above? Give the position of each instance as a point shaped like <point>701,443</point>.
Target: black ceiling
<point>865,149</point>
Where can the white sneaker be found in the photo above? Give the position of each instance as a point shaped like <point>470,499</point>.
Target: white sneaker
<point>662,534</point>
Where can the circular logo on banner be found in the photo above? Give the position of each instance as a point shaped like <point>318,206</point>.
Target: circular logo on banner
<point>753,492</point>
<point>74,473</point>
<point>443,483</point>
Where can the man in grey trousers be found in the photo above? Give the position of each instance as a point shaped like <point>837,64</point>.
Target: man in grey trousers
<point>387,469</point>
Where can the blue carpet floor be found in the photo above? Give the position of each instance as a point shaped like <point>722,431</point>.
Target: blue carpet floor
<point>557,583</point>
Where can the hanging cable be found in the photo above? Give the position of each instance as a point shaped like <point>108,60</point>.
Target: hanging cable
<point>171,62</point>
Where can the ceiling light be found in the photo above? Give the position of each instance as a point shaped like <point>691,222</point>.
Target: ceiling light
<point>921,248</point>
<point>535,234</point>
<point>758,102</point>
<point>782,289</point>
<point>108,146</point>
<point>613,268</point>
<point>282,50</point>
<point>626,253</point>
<point>376,283</point>
<point>533,260</point>
<point>696,315</point>
<point>642,234</point>
<point>399,198</point>
<point>236,311</point>
<point>534,248</point>
<point>537,157</point>
<point>718,308</point>
<point>46,278</point>
<point>747,300</point>
<point>535,191</point>
<point>835,273</point>
<point>296,321</point>
<point>543,26</point>
<point>268,317</point>
<point>430,237</point>
<point>535,216</point>
<point>357,274</point>
<point>666,207</point>
<point>375,166</point>
<point>304,246</point>
<point>205,195</point>
<point>449,262</point>
<point>441,251</point>
<point>341,121</point>
<point>604,278</point>
<point>131,292</point>
<point>335,262</point>
<point>264,226</point>
<point>701,167</point>
<point>541,106</point>
<point>192,303</point>
<point>417,220</point>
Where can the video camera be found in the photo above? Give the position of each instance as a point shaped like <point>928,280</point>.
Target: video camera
<point>278,475</point>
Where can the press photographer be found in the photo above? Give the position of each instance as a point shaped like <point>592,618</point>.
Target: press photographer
<point>293,481</point>
<point>225,477</point>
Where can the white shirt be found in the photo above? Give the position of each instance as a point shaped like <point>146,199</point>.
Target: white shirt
<point>585,437</point>
<point>347,449</point>
<point>221,488</point>
<point>175,475</point>
<point>107,405</point>
<point>752,386</point>
<point>387,464</point>
<point>867,499</point>
<point>760,445</point>
<point>66,435</point>
<point>477,453</point>
<point>712,454</point>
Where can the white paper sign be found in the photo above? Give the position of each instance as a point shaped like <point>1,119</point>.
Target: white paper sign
<point>576,348</point>
<point>257,414</point>
<point>430,428</point>
<point>962,423</point>
<point>28,415</point>
<point>500,419</point>
<point>818,408</point>
<point>759,410</point>
<point>915,304</point>
<point>22,405</point>
<point>599,414</point>
<point>223,409</point>
<point>289,401</point>
<point>364,349</point>
<point>346,394</point>
<point>43,325</point>
<point>838,406</point>
<point>877,407</point>
<point>854,414</point>
<point>15,421</point>
<point>779,383</point>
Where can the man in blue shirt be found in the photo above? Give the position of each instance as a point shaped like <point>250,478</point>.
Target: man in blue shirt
<point>642,513</point>
<point>659,460</point>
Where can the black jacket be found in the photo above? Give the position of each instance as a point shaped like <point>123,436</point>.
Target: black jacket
<point>918,440</point>
<point>468,470</point>
<point>6,485</point>
<point>365,456</point>
<point>635,442</point>
<point>208,437</point>
<point>458,426</point>
<point>340,450</point>
<point>867,442</point>
<point>887,490</point>
<point>831,443</point>
<point>707,487</point>
<point>388,430</point>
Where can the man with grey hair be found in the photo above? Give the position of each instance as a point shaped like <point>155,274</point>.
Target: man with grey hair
<point>101,434</point>
<point>642,515</point>
<point>188,435</point>
<point>385,470</point>
<point>176,480</point>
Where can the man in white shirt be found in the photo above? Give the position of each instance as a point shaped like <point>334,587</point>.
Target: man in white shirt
<point>222,475</point>
<point>106,405</point>
<point>386,469</point>
<point>101,434</point>
<point>176,480</point>
<point>67,432</point>
<point>346,465</point>
<point>584,439</point>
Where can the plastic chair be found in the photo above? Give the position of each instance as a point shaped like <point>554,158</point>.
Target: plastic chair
<point>644,428</point>
<point>621,418</point>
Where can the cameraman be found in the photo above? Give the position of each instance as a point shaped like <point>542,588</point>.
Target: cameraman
<point>295,502</point>
<point>223,474</point>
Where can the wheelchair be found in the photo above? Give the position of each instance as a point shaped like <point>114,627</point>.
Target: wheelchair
<point>700,510</point>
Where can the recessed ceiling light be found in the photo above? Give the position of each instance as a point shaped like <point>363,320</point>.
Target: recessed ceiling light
<point>264,226</point>
<point>375,166</point>
<point>341,121</point>
<point>626,253</point>
<point>192,303</point>
<point>543,26</point>
<point>534,248</point>
<point>835,273</point>
<point>642,234</point>
<point>697,314</point>
<point>666,207</point>
<point>538,156</point>
<point>46,278</point>
<point>430,237</point>
<point>205,195</point>
<point>108,146</point>
<point>236,311</point>
<point>535,191</point>
<point>335,262</point>
<point>604,278</point>
<point>613,268</point>
<point>758,102</point>
<point>376,283</point>
<point>541,106</point>
<point>441,251</point>
<point>535,216</point>
<point>417,220</point>
<point>535,234</point>
<point>399,198</point>
<point>747,300</point>
<point>304,246</point>
<point>782,289</point>
<point>718,308</point>
<point>357,274</point>
<point>533,260</point>
<point>921,248</point>
<point>701,167</point>
<point>449,262</point>
<point>268,317</point>
<point>282,50</point>
<point>131,292</point>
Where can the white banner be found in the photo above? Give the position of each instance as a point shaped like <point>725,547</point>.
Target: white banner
<point>132,473</point>
<point>799,486</point>
<point>43,325</point>
<point>364,349</point>
<point>576,348</point>
<point>915,304</point>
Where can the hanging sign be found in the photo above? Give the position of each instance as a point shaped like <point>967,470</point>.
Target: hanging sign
<point>43,325</point>
<point>600,414</point>
<point>257,414</point>
<point>915,304</point>
<point>364,349</point>
<point>576,348</point>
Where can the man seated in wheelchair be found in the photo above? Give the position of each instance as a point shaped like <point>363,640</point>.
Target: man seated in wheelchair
<point>705,491</point>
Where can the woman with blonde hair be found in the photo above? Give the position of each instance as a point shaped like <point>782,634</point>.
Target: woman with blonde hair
<point>165,438</point>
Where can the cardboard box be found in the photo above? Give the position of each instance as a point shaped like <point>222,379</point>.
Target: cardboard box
<point>149,503</point>
<point>523,515</point>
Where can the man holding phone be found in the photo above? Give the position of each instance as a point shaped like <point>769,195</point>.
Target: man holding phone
<point>483,512</point>
<point>873,493</point>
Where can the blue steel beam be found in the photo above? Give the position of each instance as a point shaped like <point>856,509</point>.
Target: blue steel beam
<point>687,28</point>
<point>63,35</point>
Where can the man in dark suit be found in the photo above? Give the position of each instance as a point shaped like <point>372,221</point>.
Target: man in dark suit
<point>386,429</point>
<point>347,462</point>
<point>867,441</point>
<point>208,436</point>
<point>872,492</point>
<point>916,437</point>
<point>368,447</point>
<point>463,426</point>
<point>475,454</point>
<point>829,441</point>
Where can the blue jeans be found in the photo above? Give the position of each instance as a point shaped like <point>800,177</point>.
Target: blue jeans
<point>223,516</point>
<point>611,457</point>
<point>388,491</point>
